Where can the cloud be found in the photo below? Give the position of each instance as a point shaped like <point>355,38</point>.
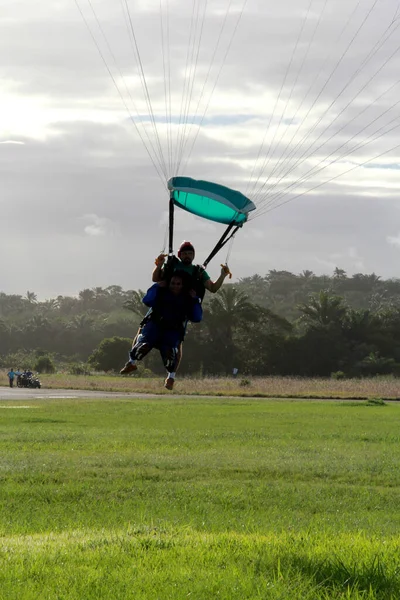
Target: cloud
<point>280,119</point>
<point>394,240</point>
<point>98,226</point>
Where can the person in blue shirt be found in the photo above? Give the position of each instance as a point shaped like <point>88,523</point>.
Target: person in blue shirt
<point>171,307</point>
<point>11,375</point>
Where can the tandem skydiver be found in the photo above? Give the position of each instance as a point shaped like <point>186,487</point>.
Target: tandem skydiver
<point>171,307</point>
<point>201,280</point>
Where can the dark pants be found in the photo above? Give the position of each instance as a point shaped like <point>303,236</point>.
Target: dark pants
<point>11,380</point>
<point>166,341</point>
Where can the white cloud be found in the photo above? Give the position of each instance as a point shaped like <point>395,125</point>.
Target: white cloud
<point>68,148</point>
<point>393,239</point>
<point>99,226</point>
<point>12,142</point>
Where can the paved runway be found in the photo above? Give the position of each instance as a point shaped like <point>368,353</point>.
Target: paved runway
<point>15,393</point>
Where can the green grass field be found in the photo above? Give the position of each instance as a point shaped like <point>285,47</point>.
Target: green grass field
<point>199,498</point>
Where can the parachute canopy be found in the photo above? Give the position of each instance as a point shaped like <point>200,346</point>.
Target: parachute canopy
<point>210,200</point>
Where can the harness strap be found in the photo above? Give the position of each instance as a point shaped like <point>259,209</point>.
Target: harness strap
<point>221,242</point>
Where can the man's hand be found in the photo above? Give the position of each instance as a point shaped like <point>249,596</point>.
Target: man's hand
<point>192,293</point>
<point>160,260</point>
<point>225,271</point>
<point>162,284</point>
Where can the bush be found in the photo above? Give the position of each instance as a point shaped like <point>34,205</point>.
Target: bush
<point>111,354</point>
<point>18,360</point>
<point>375,364</point>
<point>79,369</point>
<point>44,364</point>
<point>244,382</point>
<point>376,402</point>
<point>338,375</point>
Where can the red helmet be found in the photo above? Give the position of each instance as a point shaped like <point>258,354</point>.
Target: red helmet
<point>185,246</point>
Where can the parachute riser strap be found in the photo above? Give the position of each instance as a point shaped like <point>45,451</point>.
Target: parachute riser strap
<point>221,242</point>
<point>171,225</point>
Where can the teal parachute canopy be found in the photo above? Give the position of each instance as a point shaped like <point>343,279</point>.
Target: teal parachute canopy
<point>210,200</point>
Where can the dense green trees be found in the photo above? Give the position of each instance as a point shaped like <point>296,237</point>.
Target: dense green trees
<point>111,355</point>
<point>281,323</point>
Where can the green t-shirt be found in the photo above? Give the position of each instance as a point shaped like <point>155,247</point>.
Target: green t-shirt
<point>180,266</point>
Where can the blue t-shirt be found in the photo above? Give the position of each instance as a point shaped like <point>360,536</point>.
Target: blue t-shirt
<point>173,309</point>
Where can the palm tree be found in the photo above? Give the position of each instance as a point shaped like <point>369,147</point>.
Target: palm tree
<point>252,280</point>
<point>361,325</point>
<point>81,323</point>
<point>323,310</point>
<point>135,304</point>
<point>227,311</point>
<point>10,303</point>
<point>339,273</point>
<point>67,304</point>
<point>49,306</point>
<point>31,297</point>
<point>365,283</point>
<point>85,333</point>
<point>307,275</point>
<point>86,296</point>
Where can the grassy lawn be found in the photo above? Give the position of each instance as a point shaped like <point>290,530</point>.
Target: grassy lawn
<point>199,498</point>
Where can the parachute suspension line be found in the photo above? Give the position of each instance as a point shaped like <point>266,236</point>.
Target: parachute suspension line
<point>194,58</point>
<point>301,160</point>
<point>314,170</point>
<point>131,117</point>
<point>189,98</point>
<point>371,55</point>
<point>351,79</point>
<point>288,69</point>
<point>282,118</point>
<point>268,159</point>
<point>215,82</point>
<point>301,143</point>
<point>230,247</point>
<point>196,112</point>
<point>372,138</point>
<point>284,157</point>
<point>166,234</point>
<point>135,48</point>
<point>226,236</point>
<point>368,160</point>
<point>127,91</point>
<point>165,45</point>
<point>185,82</point>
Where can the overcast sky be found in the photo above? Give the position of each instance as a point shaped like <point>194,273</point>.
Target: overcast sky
<point>280,100</point>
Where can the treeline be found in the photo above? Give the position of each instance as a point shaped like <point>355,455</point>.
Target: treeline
<point>67,327</point>
<point>282,323</point>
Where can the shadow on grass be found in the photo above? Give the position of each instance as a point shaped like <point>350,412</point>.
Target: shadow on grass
<point>333,575</point>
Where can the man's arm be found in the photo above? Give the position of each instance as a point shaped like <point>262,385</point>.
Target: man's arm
<point>151,295</point>
<point>213,286</point>
<point>156,275</point>
<point>196,310</point>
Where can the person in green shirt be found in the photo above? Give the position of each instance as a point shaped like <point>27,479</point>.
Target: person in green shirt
<point>184,262</point>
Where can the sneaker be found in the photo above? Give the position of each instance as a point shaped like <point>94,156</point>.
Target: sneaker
<point>169,383</point>
<point>128,368</point>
